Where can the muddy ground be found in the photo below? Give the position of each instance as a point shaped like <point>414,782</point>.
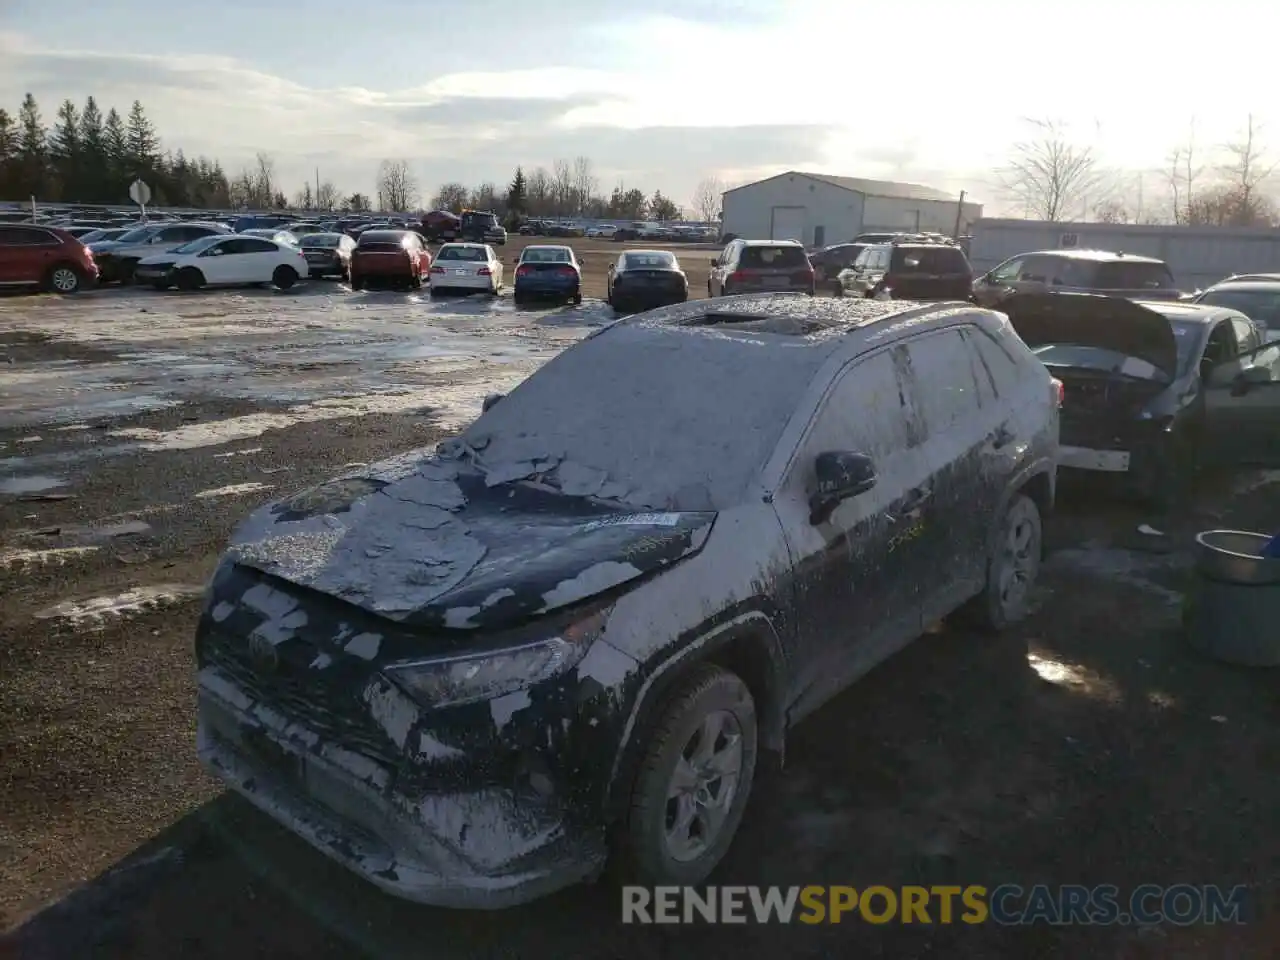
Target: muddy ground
<point>135,429</point>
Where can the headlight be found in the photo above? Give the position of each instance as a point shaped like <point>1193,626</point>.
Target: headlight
<point>494,673</point>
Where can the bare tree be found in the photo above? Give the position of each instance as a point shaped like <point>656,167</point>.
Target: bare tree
<point>1246,171</point>
<point>485,197</point>
<point>397,186</point>
<point>561,186</point>
<point>707,197</point>
<point>304,200</point>
<point>538,191</point>
<point>1048,174</point>
<point>265,180</point>
<point>1183,173</point>
<point>585,183</point>
<point>327,196</point>
<point>451,196</point>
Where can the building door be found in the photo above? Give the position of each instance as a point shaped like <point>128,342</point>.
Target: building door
<point>788,223</point>
<point>819,236</point>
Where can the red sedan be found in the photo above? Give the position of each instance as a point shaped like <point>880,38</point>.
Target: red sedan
<point>389,258</point>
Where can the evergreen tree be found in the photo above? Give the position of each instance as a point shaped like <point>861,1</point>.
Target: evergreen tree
<point>116,147</point>
<point>65,154</point>
<point>516,194</point>
<point>143,145</point>
<point>32,150</point>
<point>8,154</point>
<point>94,154</point>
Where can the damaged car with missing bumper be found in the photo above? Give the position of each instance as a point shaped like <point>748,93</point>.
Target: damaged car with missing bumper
<point>1155,390</point>
<point>476,673</point>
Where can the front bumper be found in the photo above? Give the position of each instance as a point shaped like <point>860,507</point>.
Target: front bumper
<point>150,274</point>
<point>484,849</point>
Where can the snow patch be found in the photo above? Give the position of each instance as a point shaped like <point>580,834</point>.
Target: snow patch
<point>588,583</point>
<point>502,709</point>
<point>365,646</point>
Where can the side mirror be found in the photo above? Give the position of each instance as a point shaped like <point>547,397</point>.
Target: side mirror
<point>490,400</point>
<point>715,262</point>
<point>839,476</point>
<point>1250,377</point>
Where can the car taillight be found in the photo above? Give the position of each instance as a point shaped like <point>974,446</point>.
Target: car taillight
<point>483,272</point>
<point>736,277</point>
<point>437,269</point>
<point>803,276</point>
<point>1058,391</point>
<point>524,270</point>
<point>567,272</point>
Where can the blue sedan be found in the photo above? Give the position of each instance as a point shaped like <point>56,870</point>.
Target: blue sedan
<point>548,272</point>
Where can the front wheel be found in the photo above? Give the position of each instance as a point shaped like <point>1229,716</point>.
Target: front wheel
<point>693,781</point>
<point>284,277</point>
<point>577,299</point>
<point>1012,567</point>
<point>357,283</point>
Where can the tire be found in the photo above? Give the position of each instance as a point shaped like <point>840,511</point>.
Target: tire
<point>577,299</point>
<point>997,608</point>
<point>188,278</point>
<point>657,852</point>
<point>63,278</point>
<point>415,282</point>
<point>283,277</point>
<point>162,285</point>
<point>357,283</point>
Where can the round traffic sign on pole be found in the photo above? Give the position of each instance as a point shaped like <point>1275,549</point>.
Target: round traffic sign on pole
<point>140,193</point>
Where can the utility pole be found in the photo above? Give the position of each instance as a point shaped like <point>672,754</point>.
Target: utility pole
<point>959,216</point>
<point>317,200</point>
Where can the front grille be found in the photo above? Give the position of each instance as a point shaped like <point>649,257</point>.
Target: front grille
<point>302,695</point>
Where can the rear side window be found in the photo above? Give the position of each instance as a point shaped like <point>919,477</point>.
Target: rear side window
<point>942,380</point>
<point>772,257</point>
<point>999,368</point>
<point>24,237</point>
<point>1133,275</point>
<point>930,260</point>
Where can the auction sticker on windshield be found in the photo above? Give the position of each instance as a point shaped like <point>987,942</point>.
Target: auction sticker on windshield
<point>636,520</point>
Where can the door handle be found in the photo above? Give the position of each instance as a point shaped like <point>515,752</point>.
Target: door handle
<point>1001,436</point>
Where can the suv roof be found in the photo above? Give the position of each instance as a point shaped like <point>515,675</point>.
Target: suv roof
<point>1097,256</point>
<point>771,243</point>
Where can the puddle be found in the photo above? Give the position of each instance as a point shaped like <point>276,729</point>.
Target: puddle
<point>137,600</point>
<point>234,490</point>
<point>1142,570</point>
<point>89,534</point>
<point>1072,677</point>
<point>30,484</point>
<point>238,453</point>
<point>57,557</point>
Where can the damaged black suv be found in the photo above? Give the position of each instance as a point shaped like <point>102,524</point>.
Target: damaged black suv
<point>470,674</point>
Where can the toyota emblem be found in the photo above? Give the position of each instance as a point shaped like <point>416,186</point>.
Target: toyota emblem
<point>263,655</point>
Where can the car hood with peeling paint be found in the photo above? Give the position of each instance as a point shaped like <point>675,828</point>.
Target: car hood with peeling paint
<point>434,543</point>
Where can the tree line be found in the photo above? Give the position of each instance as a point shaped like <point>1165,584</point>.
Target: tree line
<point>88,156</point>
<point>1052,176</point>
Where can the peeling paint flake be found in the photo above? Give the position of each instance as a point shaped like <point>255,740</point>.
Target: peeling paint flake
<point>593,580</point>
<point>497,597</point>
<point>502,709</point>
<point>459,618</point>
<point>393,711</point>
<point>429,748</point>
<point>365,646</point>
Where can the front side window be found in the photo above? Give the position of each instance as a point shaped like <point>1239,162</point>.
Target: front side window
<point>1007,272</point>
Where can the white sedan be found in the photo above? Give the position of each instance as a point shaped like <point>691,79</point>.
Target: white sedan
<point>270,233</point>
<point>604,231</point>
<point>466,266</point>
<point>224,260</point>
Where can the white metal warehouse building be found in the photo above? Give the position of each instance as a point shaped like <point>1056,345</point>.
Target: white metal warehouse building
<point>819,209</point>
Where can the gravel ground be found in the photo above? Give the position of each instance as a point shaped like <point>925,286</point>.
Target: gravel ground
<point>136,428</point>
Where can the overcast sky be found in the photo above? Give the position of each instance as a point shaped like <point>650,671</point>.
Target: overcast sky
<point>659,94</point>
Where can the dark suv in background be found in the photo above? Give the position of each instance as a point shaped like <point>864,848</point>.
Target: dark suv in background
<point>1076,271</point>
<point>909,270</point>
<point>760,266</point>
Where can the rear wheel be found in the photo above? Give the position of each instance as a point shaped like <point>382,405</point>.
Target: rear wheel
<point>284,277</point>
<point>357,282</point>
<point>188,278</point>
<point>415,281</point>
<point>577,298</point>
<point>1012,567</point>
<point>63,278</point>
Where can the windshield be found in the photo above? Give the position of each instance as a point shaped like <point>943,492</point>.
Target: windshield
<point>320,240</point>
<point>545,255</point>
<point>693,415</point>
<point>138,234</point>
<point>786,257</point>
<point>195,246</point>
<point>1259,305</point>
<point>93,236</point>
<point>473,254</point>
<point>649,261</point>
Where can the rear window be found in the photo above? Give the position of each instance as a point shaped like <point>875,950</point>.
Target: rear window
<point>1261,306</point>
<point>772,257</point>
<point>649,261</point>
<point>929,260</point>
<point>473,254</point>
<point>1133,275</point>
<point>544,255</point>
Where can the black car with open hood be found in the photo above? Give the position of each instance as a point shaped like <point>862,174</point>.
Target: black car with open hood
<point>1152,389</point>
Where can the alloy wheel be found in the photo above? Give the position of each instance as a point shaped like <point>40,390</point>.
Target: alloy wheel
<point>702,787</point>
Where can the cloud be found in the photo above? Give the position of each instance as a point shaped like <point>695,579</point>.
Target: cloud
<point>472,127</point>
